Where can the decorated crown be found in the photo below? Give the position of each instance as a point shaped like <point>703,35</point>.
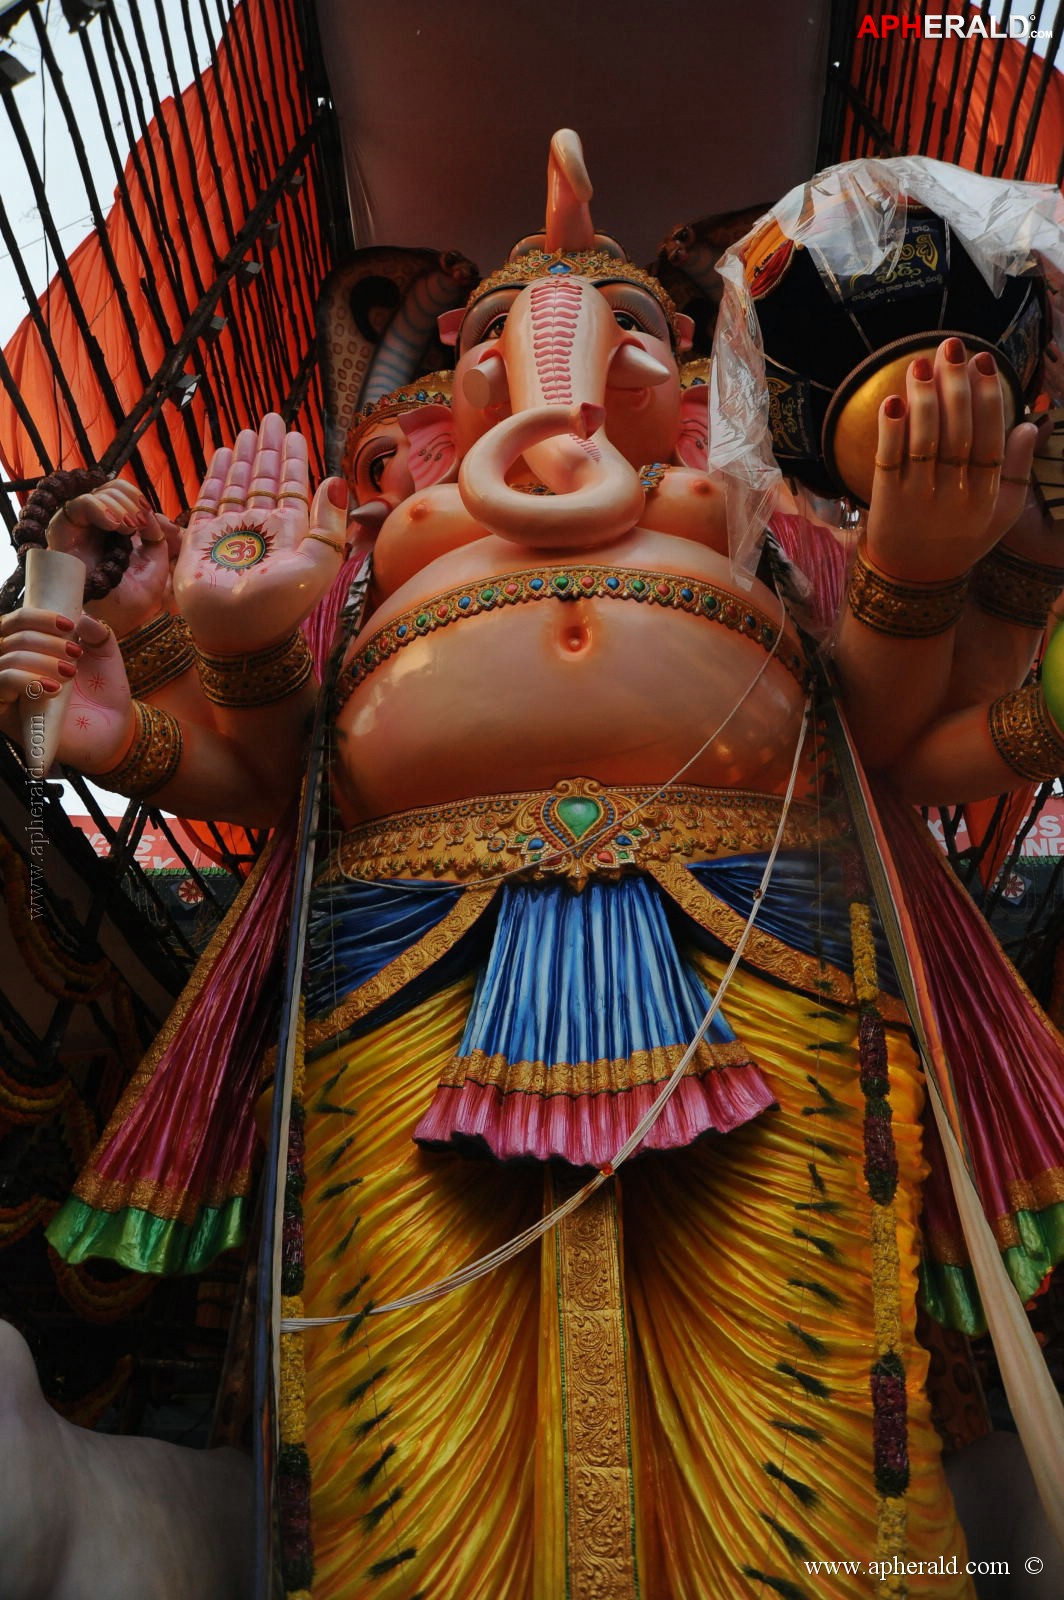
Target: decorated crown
<point>599,265</point>
<point>434,389</point>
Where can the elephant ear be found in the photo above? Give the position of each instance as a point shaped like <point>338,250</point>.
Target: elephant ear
<point>433,458</point>
<point>377,328</point>
<point>692,439</point>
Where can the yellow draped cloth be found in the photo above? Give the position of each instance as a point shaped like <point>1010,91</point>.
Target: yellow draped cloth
<point>760,1282</point>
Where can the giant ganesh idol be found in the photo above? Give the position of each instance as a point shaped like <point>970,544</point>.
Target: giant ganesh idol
<point>607,1161</point>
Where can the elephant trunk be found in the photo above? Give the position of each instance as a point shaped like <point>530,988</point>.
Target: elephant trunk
<point>557,349</point>
<point>585,516</point>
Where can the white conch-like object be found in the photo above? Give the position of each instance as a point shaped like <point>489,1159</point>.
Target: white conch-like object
<point>55,581</point>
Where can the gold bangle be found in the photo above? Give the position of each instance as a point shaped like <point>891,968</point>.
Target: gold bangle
<point>260,679</point>
<point>1016,589</point>
<point>334,544</point>
<point>152,759</point>
<point>903,610</point>
<point>1025,735</point>
<point>156,653</point>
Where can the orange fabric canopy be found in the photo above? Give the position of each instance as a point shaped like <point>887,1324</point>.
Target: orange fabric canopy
<point>168,239</point>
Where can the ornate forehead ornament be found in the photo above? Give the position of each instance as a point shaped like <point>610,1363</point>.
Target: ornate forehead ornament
<point>598,265</point>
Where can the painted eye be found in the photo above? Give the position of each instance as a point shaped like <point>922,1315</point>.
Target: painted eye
<point>635,310</point>
<point>485,322</point>
<point>375,470</point>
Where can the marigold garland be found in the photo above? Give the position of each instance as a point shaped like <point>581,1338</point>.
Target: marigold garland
<point>293,1462</point>
<point>887,1376</point>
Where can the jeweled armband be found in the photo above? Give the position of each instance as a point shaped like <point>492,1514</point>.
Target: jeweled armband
<point>156,653</point>
<point>1025,735</point>
<point>904,610</point>
<point>152,759</point>
<point>256,680</point>
<point>1016,589</point>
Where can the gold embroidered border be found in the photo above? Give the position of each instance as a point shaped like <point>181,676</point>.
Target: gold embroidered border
<point>591,1077</point>
<point>163,1200</point>
<point>185,1001</point>
<point>792,967</point>
<point>599,1499</point>
<point>947,1249</point>
<point>526,833</point>
<point>1036,1193</point>
<point>403,970</point>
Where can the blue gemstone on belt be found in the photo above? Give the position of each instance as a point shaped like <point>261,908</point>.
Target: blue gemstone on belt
<point>401,631</point>
<point>687,594</point>
<point>465,603</point>
<point>536,844</point>
<point>613,583</point>
<point>535,583</point>
<point>623,839</point>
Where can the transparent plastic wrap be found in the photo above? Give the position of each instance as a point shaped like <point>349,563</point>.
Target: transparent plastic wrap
<point>852,221</point>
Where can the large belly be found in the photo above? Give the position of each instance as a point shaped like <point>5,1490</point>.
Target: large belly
<point>523,695</point>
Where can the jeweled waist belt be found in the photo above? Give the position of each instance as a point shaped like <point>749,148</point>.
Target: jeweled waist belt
<point>645,586</point>
<point>578,830</point>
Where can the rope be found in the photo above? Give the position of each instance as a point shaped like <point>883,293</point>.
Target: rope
<point>480,1267</point>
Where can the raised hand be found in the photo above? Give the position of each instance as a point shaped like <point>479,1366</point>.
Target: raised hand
<point>39,652</point>
<point>120,507</point>
<point>948,482</point>
<point>258,554</point>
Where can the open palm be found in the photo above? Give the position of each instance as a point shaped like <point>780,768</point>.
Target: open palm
<point>259,554</point>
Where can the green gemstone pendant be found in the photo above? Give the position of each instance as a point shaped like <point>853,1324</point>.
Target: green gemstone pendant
<point>578,814</point>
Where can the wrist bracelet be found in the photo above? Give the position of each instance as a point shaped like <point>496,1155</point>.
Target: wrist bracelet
<point>256,680</point>
<point>1016,589</point>
<point>156,653</point>
<point>1025,735</point>
<point>152,759</point>
<point>903,610</point>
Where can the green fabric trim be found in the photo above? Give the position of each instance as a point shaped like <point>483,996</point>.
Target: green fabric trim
<point>146,1243</point>
<point>950,1295</point>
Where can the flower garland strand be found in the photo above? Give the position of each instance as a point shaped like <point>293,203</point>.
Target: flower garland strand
<point>293,1462</point>
<point>887,1376</point>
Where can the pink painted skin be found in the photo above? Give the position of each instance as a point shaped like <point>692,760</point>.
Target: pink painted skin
<point>574,385</point>
<point>35,659</point>
<point>120,507</point>
<point>522,697</point>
